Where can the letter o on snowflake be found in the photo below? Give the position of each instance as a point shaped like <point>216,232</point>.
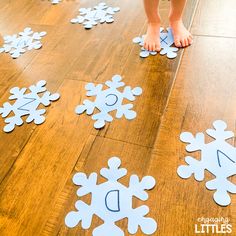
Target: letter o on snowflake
<point>112,201</point>
<point>108,100</point>
<point>27,104</point>
<point>218,157</point>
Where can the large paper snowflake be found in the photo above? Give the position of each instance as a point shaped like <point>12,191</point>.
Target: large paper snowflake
<point>27,104</point>
<point>167,41</point>
<point>218,157</point>
<point>112,201</point>
<point>109,100</point>
<point>19,44</point>
<point>99,14</point>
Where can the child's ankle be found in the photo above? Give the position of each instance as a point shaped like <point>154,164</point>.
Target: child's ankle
<point>173,19</point>
<point>155,20</point>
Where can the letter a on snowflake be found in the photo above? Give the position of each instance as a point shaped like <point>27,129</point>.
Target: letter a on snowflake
<point>109,100</point>
<point>218,157</point>
<point>166,39</point>
<point>112,201</point>
<point>26,104</point>
<point>16,45</point>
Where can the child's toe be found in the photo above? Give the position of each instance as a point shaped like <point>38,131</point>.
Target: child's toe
<point>190,40</point>
<point>177,42</point>
<point>186,42</point>
<point>182,42</point>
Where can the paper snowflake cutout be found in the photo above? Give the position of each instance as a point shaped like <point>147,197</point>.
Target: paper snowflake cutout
<point>54,2</point>
<point>27,104</point>
<point>99,14</point>
<point>167,41</point>
<point>112,201</point>
<point>109,100</point>
<point>218,157</point>
<point>19,44</point>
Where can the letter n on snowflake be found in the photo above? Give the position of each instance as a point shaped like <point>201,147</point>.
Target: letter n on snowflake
<point>218,157</point>
<point>112,202</point>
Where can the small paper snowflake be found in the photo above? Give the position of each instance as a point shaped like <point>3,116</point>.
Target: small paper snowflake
<point>109,100</point>
<point>27,104</point>
<point>166,39</point>
<point>19,44</point>
<point>218,157</point>
<point>112,201</point>
<point>54,2</point>
<point>99,14</point>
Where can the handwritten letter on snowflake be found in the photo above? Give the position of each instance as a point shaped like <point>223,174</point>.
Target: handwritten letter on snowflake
<point>166,39</point>
<point>27,104</point>
<point>112,201</point>
<point>218,157</point>
<point>109,100</point>
<point>19,44</point>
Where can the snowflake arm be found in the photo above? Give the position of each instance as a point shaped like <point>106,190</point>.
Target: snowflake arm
<point>195,143</point>
<point>83,214</point>
<point>138,187</point>
<point>113,173</point>
<point>219,132</point>
<point>87,184</point>
<point>101,118</point>
<point>137,218</point>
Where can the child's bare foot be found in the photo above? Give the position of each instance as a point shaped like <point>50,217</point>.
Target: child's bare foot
<point>152,38</point>
<point>182,37</point>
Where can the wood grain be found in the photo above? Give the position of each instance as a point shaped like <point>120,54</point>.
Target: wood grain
<point>38,162</point>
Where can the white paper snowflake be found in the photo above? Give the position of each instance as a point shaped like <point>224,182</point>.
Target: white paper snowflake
<point>112,201</point>
<point>109,100</point>
<point>27,104</point>
<point>19,44</point>
<point>54,2</point>
<point>218,157</point>
<point>167,41</point>
<point>99,14</point>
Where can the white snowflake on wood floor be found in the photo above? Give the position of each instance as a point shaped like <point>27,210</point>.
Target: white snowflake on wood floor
<point>218,157</point>
<point>99,14</point>
<point>19,44</point>
<point>27,104</point>
<point>167,41</point>
<point>109,100</point>
<point>112,201</point>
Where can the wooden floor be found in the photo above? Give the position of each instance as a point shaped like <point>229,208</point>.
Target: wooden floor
<point>188,93</point>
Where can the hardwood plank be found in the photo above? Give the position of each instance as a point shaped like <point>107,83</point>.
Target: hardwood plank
<point>215,18</point>
<point>204,91</point>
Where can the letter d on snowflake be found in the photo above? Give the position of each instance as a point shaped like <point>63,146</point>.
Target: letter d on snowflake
<point>107,100</point>
<point>112,201</point>
<point>26,104</point>
<point>218,157</point>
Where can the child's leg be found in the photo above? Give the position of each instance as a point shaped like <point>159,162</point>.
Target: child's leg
<point>152,39</point>
<point>182,36</point>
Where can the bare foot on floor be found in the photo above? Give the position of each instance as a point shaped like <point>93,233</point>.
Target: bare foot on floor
<point>152,38</point>
<point>182,36</point>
